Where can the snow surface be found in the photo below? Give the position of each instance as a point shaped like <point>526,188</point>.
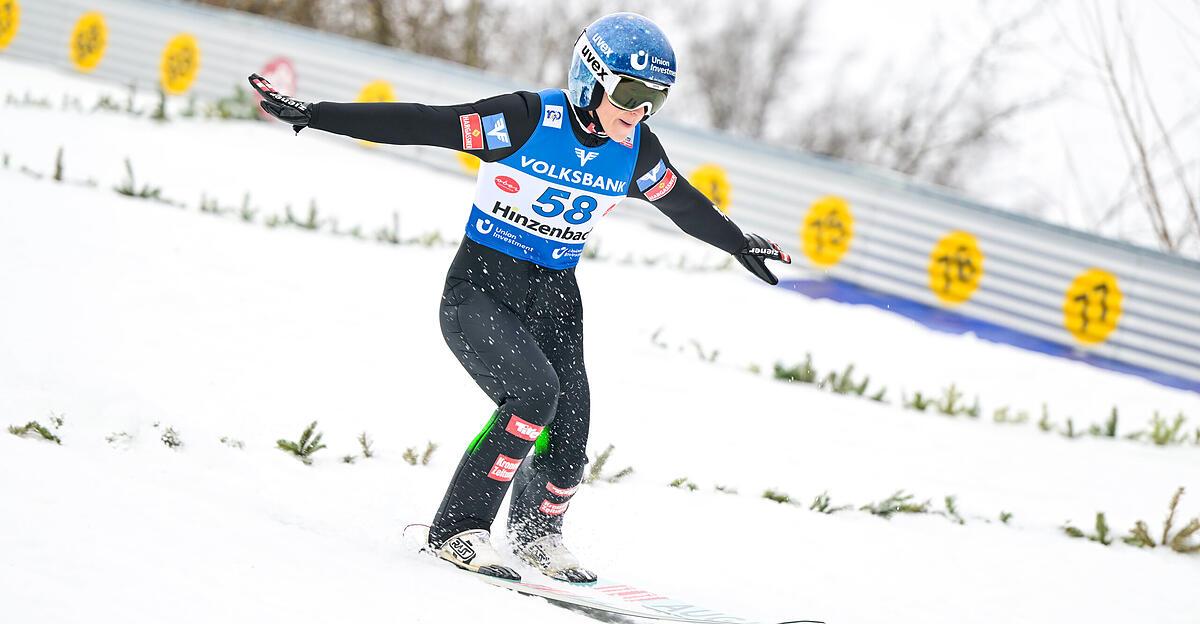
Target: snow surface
<point>129,316</point>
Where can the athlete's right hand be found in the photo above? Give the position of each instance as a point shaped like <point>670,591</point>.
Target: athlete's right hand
<point>280,106</point>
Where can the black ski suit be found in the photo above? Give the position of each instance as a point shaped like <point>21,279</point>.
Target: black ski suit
<point>516,326</point>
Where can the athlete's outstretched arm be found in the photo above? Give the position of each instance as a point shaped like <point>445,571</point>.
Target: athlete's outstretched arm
<point>657,181</point>
<point>458,127</point>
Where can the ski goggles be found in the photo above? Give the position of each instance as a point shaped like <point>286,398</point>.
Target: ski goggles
<point>624,92</point>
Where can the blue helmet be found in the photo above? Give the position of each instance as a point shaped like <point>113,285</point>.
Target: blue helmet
<point>629,56</point>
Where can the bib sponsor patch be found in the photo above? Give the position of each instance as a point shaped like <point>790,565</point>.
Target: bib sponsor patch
<point>507,184</point>
<point>496,131</point>
<point>523,429</point>
<point>553,117</point>
<point>504,468</point>
<point>472,131</point>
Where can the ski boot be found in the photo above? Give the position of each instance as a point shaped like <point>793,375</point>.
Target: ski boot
<point>472,551</point>
<point>551,557</point>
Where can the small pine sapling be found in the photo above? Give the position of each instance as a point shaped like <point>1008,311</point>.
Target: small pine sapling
<point>896,503</point>
<point>365,443</point>
<point>684,483</point>
<point>34,427</point>
<point>801,373</point>
<point>950,403</point>
<point>1101,536</point>
<point>1005,516</point>
<point>917,401</point>
<point>952,510</point>
<point>1179,543</point>
<point>595,473</point>
<point>306,446</point>
<point>1139,536</point>
<point>171,438</point>
<point>779,497</point>
<point>1044,424</point>
<point>428,454</point>
<point>822,503</point>
<point>58,165</point>
<point>1163,433</point>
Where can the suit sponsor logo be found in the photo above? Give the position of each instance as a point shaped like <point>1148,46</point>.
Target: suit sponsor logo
<point>497,131</point>
<point>484,226</point>
<point>664,186</point>
<point>652,177</point>
<point>507,184</point>
<point>553,117</point>
<point>559,253</point>
<point>557,491</point>
<point>523,429</point>
<point>504,468</point>
<point>472,131</point>
<point>552,509</point>
<point>585,156</point>
<point>573,176</point>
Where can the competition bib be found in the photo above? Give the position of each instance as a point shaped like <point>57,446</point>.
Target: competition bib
<point>541,203</point>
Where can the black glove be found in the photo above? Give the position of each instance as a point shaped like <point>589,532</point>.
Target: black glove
<point>754,255</point>
<point>280,106</point>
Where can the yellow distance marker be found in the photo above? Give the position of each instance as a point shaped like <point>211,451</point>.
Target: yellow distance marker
<point>89,40</point>
<point>1092,306</point>
<point>712,180</point>
<point>10,21</point>
<point>955,268</point>
<point>827,231</point>
<point>180,63</point>
<point>376,91</point>
<point>469,162</point>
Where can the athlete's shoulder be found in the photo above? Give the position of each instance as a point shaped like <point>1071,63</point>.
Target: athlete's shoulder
<point>648,141</point>
<point>516,105</point>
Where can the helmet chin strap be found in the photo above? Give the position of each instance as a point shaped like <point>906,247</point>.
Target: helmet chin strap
<point>588,120</point>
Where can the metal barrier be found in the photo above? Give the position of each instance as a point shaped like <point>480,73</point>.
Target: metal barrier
<point>857,224</point>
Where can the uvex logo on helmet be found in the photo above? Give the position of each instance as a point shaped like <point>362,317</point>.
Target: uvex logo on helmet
<point>588,53</point>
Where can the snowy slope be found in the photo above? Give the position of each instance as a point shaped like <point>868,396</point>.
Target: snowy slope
<point>126,315</point>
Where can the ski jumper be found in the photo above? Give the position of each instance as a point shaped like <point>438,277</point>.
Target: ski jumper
<point>511,311</point>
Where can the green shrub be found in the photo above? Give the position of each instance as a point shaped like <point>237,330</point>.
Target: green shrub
<point>306,446</point>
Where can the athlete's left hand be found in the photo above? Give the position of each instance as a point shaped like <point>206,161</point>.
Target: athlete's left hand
<point>755,254</point>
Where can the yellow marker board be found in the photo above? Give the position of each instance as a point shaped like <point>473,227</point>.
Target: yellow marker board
<point>10,21</point>
<point>955,267</point>
<point>377,91</point>
<point>712,180</point>
<point>827,231</point>
<point>1092,307</point>
<point>180,64</point>
<point>88,41</point>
